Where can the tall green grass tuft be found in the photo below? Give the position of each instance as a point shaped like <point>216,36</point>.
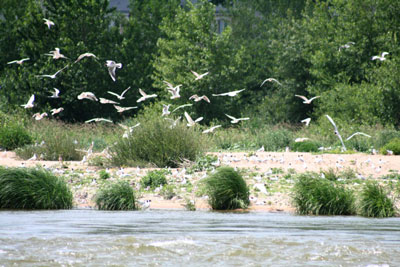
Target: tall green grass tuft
<point>29,188</point>
<point>317,196</point>
<point>374,202</point>
<point>14,135</point>
<point>227,190</point>
<point>116,196</point>
<point>157,142</point>
<point>154,179</point>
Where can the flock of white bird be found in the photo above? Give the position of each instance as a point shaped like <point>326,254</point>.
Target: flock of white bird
<point>174,90</point>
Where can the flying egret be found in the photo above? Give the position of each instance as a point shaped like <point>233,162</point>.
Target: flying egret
<point>56,54</point>
<point>145,96</point>
<point>52,76</point>
<point>236,120</point>
<point>336,132</point>
<point>306,100</point>
<point>87,95</point>
<point>381,58</point>
<point>122,109</point>
<point>197,98</point>
<point>165,110</point>
<point>270,80</point>
<point>19,61</point>
<point>111,65</point>
<point>198,76</point>
<point>85,55</point>
<point>121,96</point>
<point>232,93</point>
<point>30,102</point>
<point>191,122</point>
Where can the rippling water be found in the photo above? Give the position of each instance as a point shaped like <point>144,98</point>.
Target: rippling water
<point>182,238</point>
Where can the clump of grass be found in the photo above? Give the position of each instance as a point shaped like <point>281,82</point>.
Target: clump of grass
<point>393,145</point>
<point>190,204</point>
<point>316,196</point>
<point>330,174</point>
<point>227,190</point>
<point>154,179</point>
<point>104,175</point>
<point>158,142</point>
<point>204,163</point>
<point>168,192</point>
<point>29,188</point>
<point>14,135</point>
<point>116,196</point>
<point>374,202</point>
<point>305,146</point>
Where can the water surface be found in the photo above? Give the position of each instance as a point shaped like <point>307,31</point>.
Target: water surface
<point>182,238</point>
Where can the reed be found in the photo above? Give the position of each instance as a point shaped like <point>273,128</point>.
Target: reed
<point>227,190</point>
<point>116,196</point>
<point>374,201</point>
<point>31,188</point>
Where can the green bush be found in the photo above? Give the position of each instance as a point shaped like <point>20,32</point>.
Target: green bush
<point>154,179</point>
<point>204,163</point>
<point>13,135</point>
<point>226,190</point>
<point>157,142</point>
<point>168,192</point>
<point>374,202</point>
<point>28,188</point>
<point>116,196</point>
<point>103,174</point>
<point>393,145</point>
<point>313,195</point>
<point>305,146</point>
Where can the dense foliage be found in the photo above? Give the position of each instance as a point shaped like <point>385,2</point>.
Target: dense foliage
<point>116,196</point>
<point>29,188</point>
<point>374,201</point>
<point>312,48</point>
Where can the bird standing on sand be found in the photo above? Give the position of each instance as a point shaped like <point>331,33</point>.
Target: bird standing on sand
<point>111,65</point>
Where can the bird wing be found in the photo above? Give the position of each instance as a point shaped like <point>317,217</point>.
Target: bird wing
<point>199,119</point>
<point>302,97</point>
<point>168,84</point>
<point>31,99</point>
<point>111,71</point>
<point>314,98</point>
<point>195,74</point>
<point>333,123</point>
<point>126,90</point>
<point>117,95</point>
<point>206,98</point>
<point>230,117</point>
<point>182,106</point>
<point>188,118</point>
<point>357,133</point>
<point>384,54</point>
<point>142,92</point>
<point>193,96</point>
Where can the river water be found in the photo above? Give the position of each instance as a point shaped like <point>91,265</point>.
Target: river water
<point>200,238</point>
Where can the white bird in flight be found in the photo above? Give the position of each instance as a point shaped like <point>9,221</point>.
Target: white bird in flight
<point>128,130</point>
<point>191,122</point>
<point>306,100</point>
<point>97,120</point>
<point>270,80</point>
<point>199,76</point>
<point>182,106</point>
<point>111,65</point>
<point>52,76</point>
<point>210,130</point>
<point>19,61</point>
<point>145,96</point>
<point>197,98</point>
<point>306,121</point>
<point>121,96</point>
<point>56,111</point>
<point>346,46</point>
<point>232,93</point>
<point>87,95</point>
<point>30,102</point>
<point>357,133</point>
<point>39,116</point>
<point>381,58</point>
<point>85,55</point>
<point>122,109</point>
<point>56,54</point>
<point>107,101</point>
<point>174,90</point>
<point>165,110</point>
<point>48,22</point>
<point>235,120</point>
<point>55,94</point>
<point>336,132</point>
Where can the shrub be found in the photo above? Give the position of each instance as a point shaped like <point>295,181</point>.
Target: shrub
<point>313,195</point>
<point>393,145</point>
<point>154,179</point>
<point>157,142</point>
<point>13,135</point>
<point>28,188</point>
<point>168,192</point>
<point>116,196</point>
<point>374,201</point>
<point>103,174</point>
<point>305,146</point>
<point>227,190</point>
<point>204,163</point>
